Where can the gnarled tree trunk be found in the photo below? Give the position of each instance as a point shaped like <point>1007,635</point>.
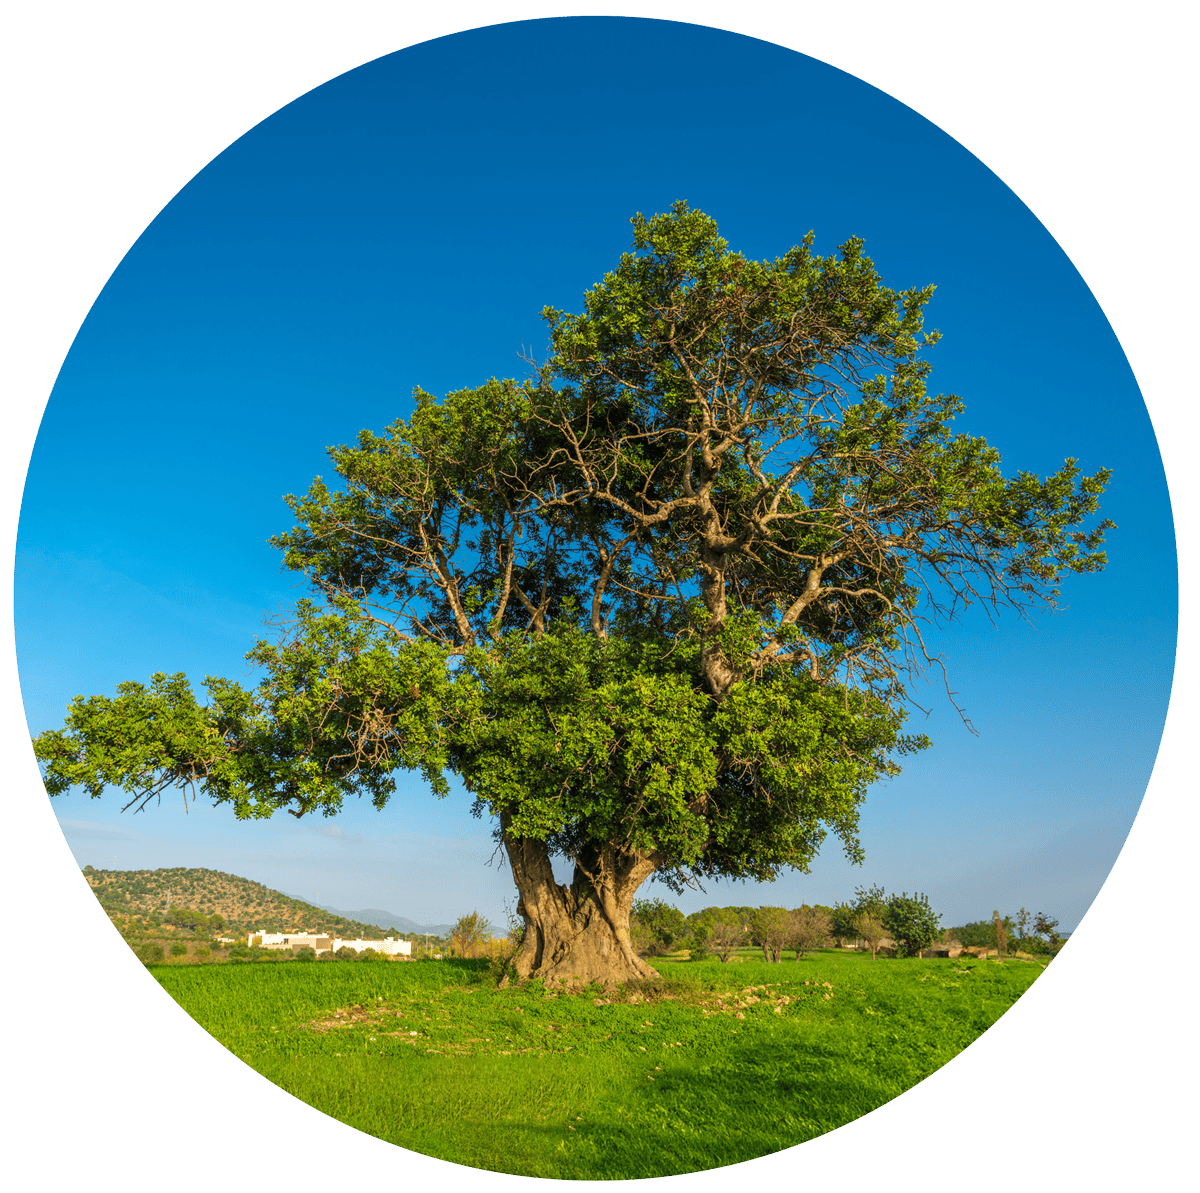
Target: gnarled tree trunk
<point>577,934</point>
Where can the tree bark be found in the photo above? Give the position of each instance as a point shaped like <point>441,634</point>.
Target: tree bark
<point>577,934</point>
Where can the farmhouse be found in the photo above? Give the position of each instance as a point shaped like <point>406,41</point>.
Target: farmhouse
<point>321,944</point>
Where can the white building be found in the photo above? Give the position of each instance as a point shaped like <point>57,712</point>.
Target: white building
<point>320,944</point>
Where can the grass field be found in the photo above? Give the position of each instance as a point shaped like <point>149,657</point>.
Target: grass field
<point>733,1062</point>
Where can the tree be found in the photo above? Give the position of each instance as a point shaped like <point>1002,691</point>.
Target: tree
<point>872,900</point>
<point>870,928</point>
<point>656,606</point>
<point>772,927</point>
<point>1043,925</point>
<point>1001,929</point>
<point>810,929</point>
<point>470,934</point>
<point>727,932</point>
<point>660,924</point>
<point>699,934</point>
<point>911,923</point>
<point>842,925</point>
<point>1022,928</point>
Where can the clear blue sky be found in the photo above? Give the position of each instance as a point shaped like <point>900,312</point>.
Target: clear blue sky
<point>403,225</point>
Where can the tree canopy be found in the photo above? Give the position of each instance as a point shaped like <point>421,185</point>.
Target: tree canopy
<point>656,605</point>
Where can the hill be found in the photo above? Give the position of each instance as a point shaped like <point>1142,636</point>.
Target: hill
<point>245,906</point>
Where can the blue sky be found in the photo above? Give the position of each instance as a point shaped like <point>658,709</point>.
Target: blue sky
<point>403,225</point>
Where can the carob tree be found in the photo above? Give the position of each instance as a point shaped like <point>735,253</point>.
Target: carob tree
<point>655,606</point>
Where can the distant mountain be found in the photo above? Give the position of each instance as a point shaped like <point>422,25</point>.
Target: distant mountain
<point>384,919</point>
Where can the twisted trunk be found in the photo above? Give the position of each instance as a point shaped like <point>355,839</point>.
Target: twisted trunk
<point>577,934</point>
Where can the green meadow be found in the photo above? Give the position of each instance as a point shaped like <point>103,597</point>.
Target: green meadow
<point>723,1064</point>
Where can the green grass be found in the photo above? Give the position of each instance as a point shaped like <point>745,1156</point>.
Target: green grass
<point>431,1056</point>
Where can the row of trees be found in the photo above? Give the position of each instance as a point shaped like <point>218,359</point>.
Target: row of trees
<point>908,920</point>
<point>1028,932</point>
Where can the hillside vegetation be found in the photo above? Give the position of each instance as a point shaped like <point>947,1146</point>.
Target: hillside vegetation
<point>232,906</point>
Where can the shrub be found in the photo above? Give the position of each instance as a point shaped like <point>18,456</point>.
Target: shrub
<point>179,949</point>
<point>306,954</point>
<point>346,953</point>
<point>149,952</point>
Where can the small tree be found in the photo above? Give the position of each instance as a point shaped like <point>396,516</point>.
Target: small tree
<point>870,900</point>
<point>727,933</point>
<point>869,928</point>
<point>811,927</point>
<point>912,923</point>
<point>1001,931</point>
<point>470,934</point>
<point>699,927</point>
<point>1022,929</point>
<point>1043,925</point>
<point>842,923</point>
<point>772,928</point>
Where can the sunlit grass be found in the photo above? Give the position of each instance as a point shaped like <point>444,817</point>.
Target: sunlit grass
<point>730,1063</point>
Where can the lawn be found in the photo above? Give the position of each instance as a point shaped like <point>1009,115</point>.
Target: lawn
<point>729,1063</point>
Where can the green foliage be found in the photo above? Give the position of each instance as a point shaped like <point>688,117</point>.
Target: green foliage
<point>911,923</point>
<point>661,599</point>
<point>657,926</point>
<point>188,919</point>
<point>1048,937</point>
<point>306,953</point>
<point>179,949</point>
<point>842,922</point>
<point>871,900</point>
<point>981,934</point>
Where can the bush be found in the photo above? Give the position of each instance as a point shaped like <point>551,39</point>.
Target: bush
<point>149,952</point>
<point>346,953</point>
<point>179,949</point>
<point>202,950</point>
<point>306,954</point>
